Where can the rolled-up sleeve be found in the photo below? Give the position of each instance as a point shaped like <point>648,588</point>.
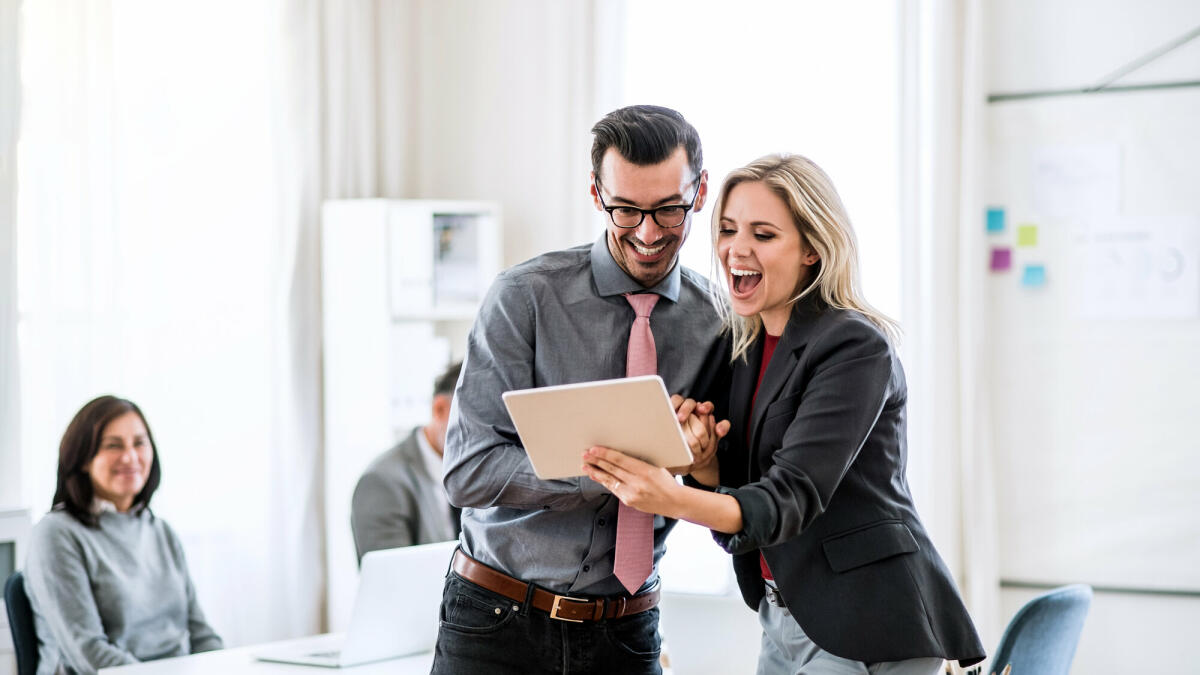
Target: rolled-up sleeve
<point>759,516</point>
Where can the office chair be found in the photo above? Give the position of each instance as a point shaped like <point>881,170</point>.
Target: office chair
<point>1042,636</point>
<point>20,621</point>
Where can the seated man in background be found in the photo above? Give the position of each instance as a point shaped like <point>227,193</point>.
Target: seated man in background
<point>399,501</point>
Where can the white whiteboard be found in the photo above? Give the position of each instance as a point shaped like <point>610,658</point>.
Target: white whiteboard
<point>1097,422</point>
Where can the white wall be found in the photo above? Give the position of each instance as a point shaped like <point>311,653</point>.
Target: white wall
<point>1098,470</point>
<point>505,96</point>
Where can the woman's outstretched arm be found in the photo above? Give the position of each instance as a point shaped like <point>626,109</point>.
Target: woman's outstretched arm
<point>654,490</point>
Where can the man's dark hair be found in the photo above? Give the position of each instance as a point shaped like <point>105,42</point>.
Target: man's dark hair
<point>645,135</point>
<point>444,384</point>
<point>80,444</point>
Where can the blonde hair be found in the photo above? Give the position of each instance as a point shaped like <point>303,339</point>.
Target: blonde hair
<point>818,214</point>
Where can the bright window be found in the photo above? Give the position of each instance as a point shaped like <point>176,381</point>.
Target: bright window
<point>818,78</point>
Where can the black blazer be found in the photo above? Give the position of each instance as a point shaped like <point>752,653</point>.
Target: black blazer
<point>821,483</point>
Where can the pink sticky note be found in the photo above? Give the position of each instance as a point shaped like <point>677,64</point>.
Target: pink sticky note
<point>1001,258</point>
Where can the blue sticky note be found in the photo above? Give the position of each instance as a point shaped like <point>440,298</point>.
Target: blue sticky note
<point>1034,276</point>
<point>995,219</point>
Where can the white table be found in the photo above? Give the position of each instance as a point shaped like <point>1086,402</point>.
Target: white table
<point>241,660</point>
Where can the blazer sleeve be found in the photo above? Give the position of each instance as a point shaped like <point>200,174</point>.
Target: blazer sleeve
<point>837,409</point>
<point>380,516</point>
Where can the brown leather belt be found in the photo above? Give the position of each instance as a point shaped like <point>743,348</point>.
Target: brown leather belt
<point>561,607</point>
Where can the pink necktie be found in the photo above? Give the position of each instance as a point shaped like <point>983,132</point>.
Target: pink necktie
<point>633,561</point>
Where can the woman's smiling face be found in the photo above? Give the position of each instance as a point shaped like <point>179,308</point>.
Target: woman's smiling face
<point>122,463</point>
<point>764,258</point>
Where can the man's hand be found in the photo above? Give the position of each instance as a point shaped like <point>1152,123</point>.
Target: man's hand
<point>702,432</point>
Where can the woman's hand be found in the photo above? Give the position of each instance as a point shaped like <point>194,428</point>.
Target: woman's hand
<point>653,490</point>
<point>642,486</point>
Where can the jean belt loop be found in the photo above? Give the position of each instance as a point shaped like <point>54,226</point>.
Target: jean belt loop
<point>529,589</point>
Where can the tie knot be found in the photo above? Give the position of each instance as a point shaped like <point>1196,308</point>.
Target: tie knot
<point>643,303</point>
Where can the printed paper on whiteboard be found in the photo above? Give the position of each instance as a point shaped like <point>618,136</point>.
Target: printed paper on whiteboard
<point>1135,268</point>
<point>1074,183</point>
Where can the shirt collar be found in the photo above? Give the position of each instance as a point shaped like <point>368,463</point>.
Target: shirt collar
<point>101,505</point>
<point>611,280</point>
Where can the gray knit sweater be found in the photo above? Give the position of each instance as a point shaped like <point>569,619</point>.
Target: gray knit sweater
<point>116,594</point>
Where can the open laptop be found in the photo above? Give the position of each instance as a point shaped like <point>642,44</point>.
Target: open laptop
<point>395,611</point>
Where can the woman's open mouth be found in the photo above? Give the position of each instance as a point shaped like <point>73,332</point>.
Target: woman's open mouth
<point>743,282</point>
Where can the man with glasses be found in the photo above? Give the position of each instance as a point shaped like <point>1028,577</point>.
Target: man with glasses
<point>533,588</point>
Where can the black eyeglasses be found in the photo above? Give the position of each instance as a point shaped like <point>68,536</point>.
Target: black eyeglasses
<point>629,217</point>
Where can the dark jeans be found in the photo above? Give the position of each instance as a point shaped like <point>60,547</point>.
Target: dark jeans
<point>482,632</point>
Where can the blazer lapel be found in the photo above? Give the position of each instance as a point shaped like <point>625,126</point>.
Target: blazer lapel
<point>741,388</point>
<point>433,523</point>
<point>783,362</point>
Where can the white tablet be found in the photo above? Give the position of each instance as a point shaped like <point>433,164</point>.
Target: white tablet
<point>633,415</point>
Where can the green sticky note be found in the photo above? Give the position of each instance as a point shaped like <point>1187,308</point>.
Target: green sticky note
<point>1027,235</point>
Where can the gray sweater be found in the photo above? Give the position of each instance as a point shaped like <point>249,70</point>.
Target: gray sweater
<point>116,594</point>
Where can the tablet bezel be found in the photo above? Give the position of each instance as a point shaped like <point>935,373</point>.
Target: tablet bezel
<point>557,424</point>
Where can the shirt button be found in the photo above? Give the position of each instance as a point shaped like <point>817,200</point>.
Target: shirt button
<point>587,568</point>
<point>600,522</point>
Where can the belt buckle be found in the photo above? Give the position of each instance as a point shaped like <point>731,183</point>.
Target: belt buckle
<point>554,608</point>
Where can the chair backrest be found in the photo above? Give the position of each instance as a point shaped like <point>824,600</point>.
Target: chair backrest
<point>1042,636</point>
<point>20,621</point>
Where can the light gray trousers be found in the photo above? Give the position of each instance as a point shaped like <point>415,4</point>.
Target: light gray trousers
<point>786,650</point>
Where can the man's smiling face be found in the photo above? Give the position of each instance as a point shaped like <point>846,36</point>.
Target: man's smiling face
<point>648,252</point>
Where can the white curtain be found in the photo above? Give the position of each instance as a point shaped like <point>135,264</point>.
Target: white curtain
<point>10,414</point>
<point>343,120</point>
<point>157,262</point>
<point>171,254</point>
<point>944,273</point>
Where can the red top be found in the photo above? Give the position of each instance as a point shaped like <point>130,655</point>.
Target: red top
<point>769,344</point>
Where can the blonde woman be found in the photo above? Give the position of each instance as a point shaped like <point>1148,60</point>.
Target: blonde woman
<point>809,492</point>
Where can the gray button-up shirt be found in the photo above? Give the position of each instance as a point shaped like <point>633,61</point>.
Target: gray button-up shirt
<point>557,319</point>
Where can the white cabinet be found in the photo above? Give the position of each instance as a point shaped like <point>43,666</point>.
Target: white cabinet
<point>401,281</point>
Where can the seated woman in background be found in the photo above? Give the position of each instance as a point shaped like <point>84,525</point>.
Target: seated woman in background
<point>809,493</point>
<point>107,578</point>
